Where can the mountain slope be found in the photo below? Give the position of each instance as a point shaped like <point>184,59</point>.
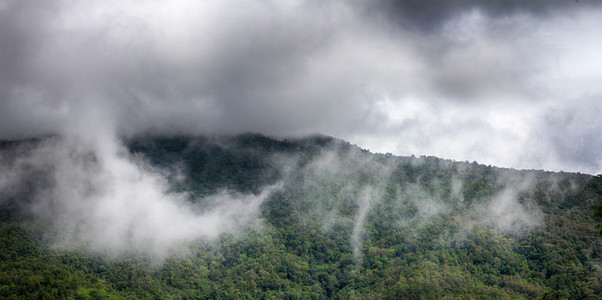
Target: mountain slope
<point>340,222</point>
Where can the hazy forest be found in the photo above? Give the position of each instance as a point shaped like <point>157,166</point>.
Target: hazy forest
<point>254,217</point>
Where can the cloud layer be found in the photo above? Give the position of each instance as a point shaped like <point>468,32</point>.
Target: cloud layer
<point>506,83</point>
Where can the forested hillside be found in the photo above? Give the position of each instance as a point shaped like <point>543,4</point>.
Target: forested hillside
<point>337,222</point>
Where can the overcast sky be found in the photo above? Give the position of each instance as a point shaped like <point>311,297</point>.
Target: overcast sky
<point>509,83</point>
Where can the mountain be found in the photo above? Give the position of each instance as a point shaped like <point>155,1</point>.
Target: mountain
<point>249,216</point>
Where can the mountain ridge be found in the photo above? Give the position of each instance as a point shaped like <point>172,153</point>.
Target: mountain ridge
<point>293,218</point>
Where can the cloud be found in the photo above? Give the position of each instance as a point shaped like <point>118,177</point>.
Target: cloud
<point>569,132</point>
<point>459,79</point>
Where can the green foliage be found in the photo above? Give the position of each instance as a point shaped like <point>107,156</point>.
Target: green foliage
<point>595,186</point>
<point>422,235</point>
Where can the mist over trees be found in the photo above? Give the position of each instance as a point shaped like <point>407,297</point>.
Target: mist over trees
<point>249,216</point>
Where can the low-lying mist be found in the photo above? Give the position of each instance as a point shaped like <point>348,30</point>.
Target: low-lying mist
<point>354,189</point>
<point>114,197</point>
<point>98,196</point>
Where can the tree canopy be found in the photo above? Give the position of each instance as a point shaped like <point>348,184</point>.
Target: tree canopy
<point>346,223</point>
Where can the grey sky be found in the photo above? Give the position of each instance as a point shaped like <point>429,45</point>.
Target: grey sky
<point>509,83</point>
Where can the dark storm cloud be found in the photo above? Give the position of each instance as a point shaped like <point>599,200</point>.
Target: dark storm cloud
<point>234,74</point>
<point>475,50</point>
<point>17,26</point>
<point>459,79</point>
<point>432,15</point>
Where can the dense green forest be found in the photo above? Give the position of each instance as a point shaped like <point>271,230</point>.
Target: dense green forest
<point>343,223</point>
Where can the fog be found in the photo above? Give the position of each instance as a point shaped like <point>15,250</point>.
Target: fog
<point>365,201</point>
<point>353,189</point>
<point>97,196</point>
